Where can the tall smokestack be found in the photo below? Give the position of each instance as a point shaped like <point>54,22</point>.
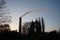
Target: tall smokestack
<point>20,24</point>
<point>43,25</point>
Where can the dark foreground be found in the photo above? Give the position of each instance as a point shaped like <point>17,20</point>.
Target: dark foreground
<point>16,36</point>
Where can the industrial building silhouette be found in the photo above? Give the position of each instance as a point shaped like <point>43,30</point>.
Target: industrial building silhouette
<point>38,25</point>
<point>37,34</point>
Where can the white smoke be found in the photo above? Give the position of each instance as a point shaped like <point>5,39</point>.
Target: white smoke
<point>35,10</point>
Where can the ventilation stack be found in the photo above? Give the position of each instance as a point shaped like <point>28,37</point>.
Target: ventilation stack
<point>43,25</point>
<point>20,24</point>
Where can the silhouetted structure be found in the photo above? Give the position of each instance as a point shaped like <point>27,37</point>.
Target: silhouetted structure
<point>36,34</point>
<point>31,28</point>
<point>35,27</point>
<point>43,25</point>
<point>39,26</point>
<point>20,24</point>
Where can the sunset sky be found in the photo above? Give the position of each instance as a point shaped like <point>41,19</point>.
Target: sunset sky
<point>51,14</point>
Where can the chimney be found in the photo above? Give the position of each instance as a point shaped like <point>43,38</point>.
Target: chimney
<point>43,25</point>
<point>20,24</point>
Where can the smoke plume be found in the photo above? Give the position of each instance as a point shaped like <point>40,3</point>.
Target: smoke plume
<point>35,10</point>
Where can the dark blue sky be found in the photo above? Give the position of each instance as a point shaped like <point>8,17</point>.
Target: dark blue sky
<point>51,13</point>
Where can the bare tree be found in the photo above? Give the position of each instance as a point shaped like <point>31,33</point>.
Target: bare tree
<point>5,27</point>
<point>5,17</point>
<point>4,13</point>
<point>25,27</point>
